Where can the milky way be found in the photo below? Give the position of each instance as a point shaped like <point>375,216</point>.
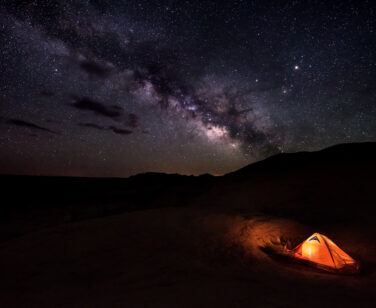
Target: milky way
<point>119,88</point>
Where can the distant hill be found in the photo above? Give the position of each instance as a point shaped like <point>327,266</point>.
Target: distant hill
<point>335,183</point>
<point>337,155</point>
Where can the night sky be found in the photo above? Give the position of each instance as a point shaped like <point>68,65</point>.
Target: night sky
<point>115,88</point>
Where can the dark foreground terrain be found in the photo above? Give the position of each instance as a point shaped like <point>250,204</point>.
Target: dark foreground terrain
<point>157,240</point>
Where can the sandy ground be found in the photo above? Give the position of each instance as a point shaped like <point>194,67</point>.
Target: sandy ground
<point>178,258</point>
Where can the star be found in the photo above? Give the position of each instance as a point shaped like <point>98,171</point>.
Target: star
<point>123,79</point>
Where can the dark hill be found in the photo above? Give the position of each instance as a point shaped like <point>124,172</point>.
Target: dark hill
<point>348,154</point>
<point>334,183</point>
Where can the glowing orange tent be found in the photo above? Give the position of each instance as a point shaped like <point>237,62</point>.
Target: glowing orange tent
<point>321,252</point>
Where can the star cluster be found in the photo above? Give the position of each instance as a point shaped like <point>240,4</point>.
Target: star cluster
<point>114,88</point>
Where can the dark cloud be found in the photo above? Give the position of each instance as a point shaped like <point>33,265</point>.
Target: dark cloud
<point>116,130</point>
<point>116,107</point>
<point>30,125</point>
<point>47,93</point>
<point>95,69</point>
<point>133,120</point>
<point>52,121</point>
<point>120,131</point>
<point>92,125</point>
<point>85,103</point>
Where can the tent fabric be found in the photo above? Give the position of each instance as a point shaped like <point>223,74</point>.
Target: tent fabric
<point>322,252</point>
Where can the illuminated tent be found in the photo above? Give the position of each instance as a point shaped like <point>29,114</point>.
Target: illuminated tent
<point>321,252</point>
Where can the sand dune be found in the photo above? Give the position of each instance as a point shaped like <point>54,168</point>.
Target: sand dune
<point>172,258</point>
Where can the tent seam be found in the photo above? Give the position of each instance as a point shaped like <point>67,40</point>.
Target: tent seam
<point>327,246</point>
